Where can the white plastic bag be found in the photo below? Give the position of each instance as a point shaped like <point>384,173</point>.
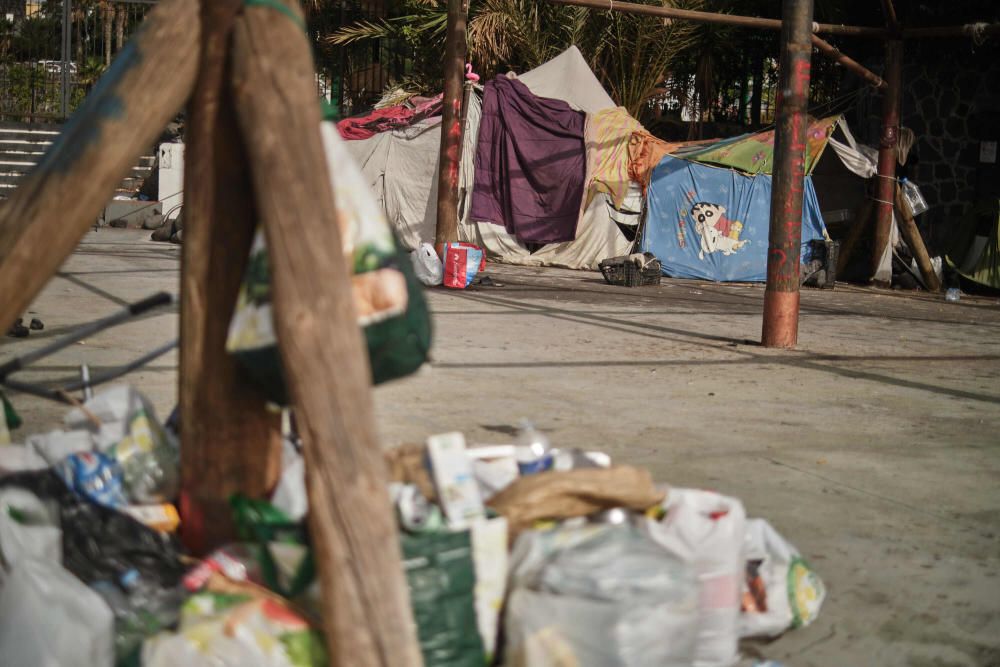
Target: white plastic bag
<point>29,530</point>
<point>706,530</point>
<point>49,618</point>
<point>427,265</point>
<point>599,596</point>
<point>781,590</point>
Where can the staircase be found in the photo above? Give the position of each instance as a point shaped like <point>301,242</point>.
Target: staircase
<point>22,146</point>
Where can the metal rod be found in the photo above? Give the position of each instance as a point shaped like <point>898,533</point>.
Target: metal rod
<point>723,19</point>
<point>781,297</point>
<point>59,393</point>
<point>886,183</point>
<point>455,48</point>
<point>137,308</point>
<point>67,30</point>
<point>835,54</point>
<point>88,392</point>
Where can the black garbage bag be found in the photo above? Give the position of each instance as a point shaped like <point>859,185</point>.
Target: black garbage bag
<point>99,543</point>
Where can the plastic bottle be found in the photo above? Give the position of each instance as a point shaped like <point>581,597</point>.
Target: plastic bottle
<point>534,453</point>
<point>952,294</point>
<point>141,609</point>
<point>913,196</point>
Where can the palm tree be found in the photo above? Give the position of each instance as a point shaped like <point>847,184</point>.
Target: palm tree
<point>631,55</point>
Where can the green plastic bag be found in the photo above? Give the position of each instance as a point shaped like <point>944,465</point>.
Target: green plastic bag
<point>387,296</point>
<point>442,580</point>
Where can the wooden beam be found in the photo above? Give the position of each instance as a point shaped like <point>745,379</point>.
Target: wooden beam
<point>365,608</point>
<point>835,54</point>
<point>59,201</point>
<point>972,31</point>
<point>721,19</point>
<point>232,444</point>
<point>908,228</point>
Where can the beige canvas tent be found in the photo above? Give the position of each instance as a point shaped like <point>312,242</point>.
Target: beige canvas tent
<point>401,168</point>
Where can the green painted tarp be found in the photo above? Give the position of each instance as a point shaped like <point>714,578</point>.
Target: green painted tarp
<point>975,246</point>
<point>754,153</point>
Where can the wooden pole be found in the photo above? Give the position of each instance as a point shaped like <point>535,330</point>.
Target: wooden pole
<point>886,183</point>
<point>890,15</point>
<point>781,297</point>
<point>365,605</point>
<point>231,442</point>
<point>59,201</point>
<point>835,54</point>
<point>455,48</point>
<point>908,228</point>
<point>722,19</point>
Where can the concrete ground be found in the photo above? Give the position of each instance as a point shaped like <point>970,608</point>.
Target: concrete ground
<point>873,446</point>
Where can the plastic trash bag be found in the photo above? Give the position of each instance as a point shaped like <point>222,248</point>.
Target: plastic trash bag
<point>99,543</point>
<point>441,576</point>
<point>387,297</point>
<point>132,435</point>
<point>29,530</point>
<point>462,261</point>
<point>427,265</point>
<point>706,530</point>
<point>781,591</point>
<point>238,629</point>
<point>49,618</point>
<point>599,596</point>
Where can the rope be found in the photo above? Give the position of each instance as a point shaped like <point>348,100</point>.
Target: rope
<point>279,7</point>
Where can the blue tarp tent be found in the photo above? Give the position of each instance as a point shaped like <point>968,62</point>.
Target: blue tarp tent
<point>712,223</point>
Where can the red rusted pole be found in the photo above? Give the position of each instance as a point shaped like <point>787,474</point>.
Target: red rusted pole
<point>451,128</point>
<point>781,298</point>
<point>885,187</point>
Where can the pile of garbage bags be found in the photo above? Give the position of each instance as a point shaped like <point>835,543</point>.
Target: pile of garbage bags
<point>519,554</point>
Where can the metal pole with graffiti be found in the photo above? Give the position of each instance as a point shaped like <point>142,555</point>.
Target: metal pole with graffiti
<point>451,127</point>
<point>781,298</point>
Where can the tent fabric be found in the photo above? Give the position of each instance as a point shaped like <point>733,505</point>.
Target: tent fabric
<point>754,153</point>
<point>606,136</point>
<point>530,163</point>
<point>645,152</point>
<point>975,248</point>
<point>597,238</point>
<point>389,118</point>
<point>567,77</point>
<point>712,224</point>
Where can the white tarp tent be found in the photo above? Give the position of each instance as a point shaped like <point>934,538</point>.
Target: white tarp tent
<point>401,168</point>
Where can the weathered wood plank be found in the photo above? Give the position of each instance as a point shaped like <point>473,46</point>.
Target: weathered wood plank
<point>365,601</point>
<point>231,443</point>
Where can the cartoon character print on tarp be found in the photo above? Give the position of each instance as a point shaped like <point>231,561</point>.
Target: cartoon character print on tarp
<point>717,232</point>
<point>712,223</point>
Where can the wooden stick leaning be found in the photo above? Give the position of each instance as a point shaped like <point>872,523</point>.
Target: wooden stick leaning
<point>231,442</point>
<point>59,201</point>
<point>908,228</point>
<point>365,601</point>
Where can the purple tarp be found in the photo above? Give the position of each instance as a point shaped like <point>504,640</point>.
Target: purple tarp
<point>530,164</point>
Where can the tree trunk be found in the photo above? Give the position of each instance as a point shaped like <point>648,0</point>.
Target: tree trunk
<point>758,88</point>
<point>741,108</point>
<point>107,11</point>
<point>120,16</point>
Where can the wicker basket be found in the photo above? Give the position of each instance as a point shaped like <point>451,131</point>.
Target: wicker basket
<point>627,272</point>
